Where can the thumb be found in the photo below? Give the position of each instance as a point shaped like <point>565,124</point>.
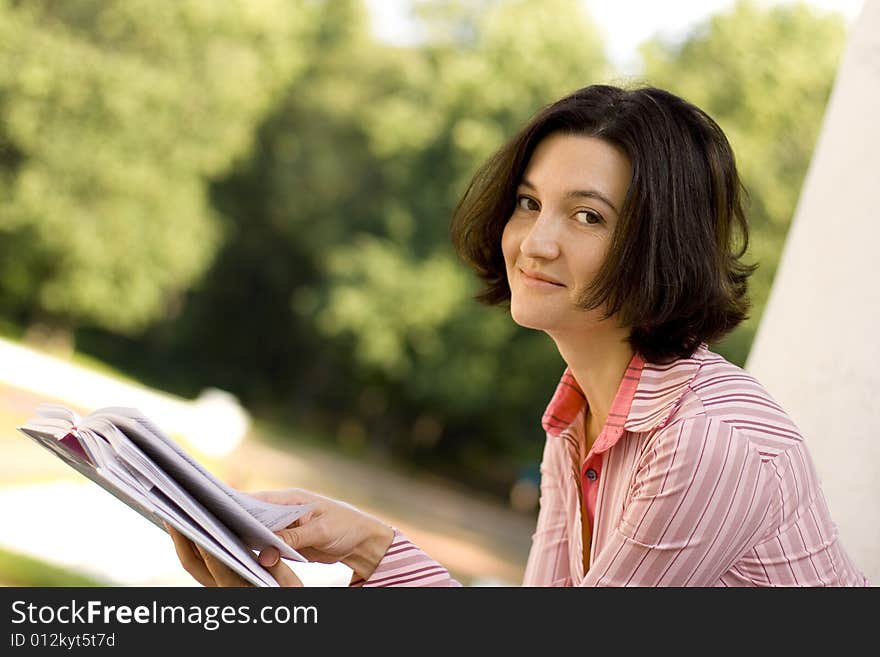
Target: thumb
<point>269,556</point>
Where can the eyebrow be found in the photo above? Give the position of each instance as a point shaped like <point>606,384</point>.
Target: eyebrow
<point>579,193</point>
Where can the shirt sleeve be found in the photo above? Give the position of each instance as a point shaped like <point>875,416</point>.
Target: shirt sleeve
<point>548,563</point>
<point>699,499</point>
<point>404,564</point>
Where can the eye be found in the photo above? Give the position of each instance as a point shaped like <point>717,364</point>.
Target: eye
<point>527,203</point>
<point>588,217</point>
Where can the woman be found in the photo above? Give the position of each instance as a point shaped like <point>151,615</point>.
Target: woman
<point>613,222</point>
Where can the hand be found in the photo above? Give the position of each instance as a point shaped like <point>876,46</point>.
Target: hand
<point>330,531</point>
<point>210,571</point>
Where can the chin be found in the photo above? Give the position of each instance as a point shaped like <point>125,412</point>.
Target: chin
<point>530,319</point>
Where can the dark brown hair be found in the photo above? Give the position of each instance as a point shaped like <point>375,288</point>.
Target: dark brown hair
<point>673,272</point>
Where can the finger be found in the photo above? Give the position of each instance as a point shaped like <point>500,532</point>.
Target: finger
<point>303,537</point>
<point>190,558</point>
<point>270,556</point>
<point>316,556</point>
<point>189,545</point>
<point>222,574</point>
<point>284,575</point>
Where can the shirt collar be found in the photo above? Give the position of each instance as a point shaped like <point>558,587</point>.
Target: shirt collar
<point>646,398</point>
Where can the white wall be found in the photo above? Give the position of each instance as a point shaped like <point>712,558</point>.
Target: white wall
<point>818,346</point>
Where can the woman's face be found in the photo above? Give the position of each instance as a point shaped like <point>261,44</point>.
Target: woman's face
<point>567,206</point>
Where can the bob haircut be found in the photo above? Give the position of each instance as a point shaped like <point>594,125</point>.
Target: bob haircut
<point>673,273</point>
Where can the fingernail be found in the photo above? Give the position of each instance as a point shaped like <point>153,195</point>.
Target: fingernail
<point>269,557</point>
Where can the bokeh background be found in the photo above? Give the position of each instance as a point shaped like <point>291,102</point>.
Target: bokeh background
<point>236,214</point>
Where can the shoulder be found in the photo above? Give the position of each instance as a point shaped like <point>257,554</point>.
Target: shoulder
<point>697,443</point>
<point>722,392</point>
<point>705,407</point>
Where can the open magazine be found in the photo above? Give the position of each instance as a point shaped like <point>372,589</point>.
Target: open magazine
<point>129,456</point>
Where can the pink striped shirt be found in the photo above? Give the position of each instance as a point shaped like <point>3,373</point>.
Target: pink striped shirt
<point>703,480</point>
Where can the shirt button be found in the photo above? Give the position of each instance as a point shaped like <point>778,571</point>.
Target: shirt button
<point>591,475</point>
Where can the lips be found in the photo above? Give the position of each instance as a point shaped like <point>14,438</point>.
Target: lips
<point>538,277</point>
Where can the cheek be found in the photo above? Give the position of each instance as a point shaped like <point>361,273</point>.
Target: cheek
<point>585,271</point>
<point>510,242</point>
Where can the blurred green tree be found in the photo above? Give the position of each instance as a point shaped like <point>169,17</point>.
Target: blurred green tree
<point>114,115</point>
<point>471,384</point>
<point>335,297</point>
<point>765,74</point>
<point>349,306</point>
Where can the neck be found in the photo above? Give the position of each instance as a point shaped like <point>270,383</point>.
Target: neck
<point>598,363</point>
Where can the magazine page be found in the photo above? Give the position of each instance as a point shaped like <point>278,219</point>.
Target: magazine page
<point>227,548</point>
<point>253,520</point>
<point>93,456</point>
<point>126,495</point>
<point>162,489</point>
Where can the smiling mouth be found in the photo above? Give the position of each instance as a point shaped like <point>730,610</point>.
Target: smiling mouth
<point>537,279</point>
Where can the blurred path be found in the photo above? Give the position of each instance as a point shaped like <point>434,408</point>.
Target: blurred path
<point>476,537</point>
<point>41,500</point>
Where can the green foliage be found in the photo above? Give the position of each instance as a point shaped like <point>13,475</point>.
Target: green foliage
<point>402,298</point>
<point>113,117</point>
<point>765,74</point>
<point>347,293</point>
<point>139,139</point>
<point>391,303</point>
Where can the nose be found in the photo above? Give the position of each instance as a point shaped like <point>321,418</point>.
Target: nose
<point>542,240</point>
